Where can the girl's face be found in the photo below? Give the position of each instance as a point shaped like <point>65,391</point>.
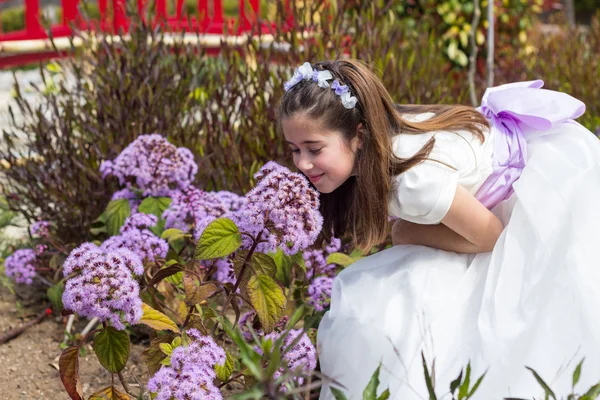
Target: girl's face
<point>321,154</point>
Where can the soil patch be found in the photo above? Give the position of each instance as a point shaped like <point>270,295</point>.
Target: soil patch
<point>29,363</point>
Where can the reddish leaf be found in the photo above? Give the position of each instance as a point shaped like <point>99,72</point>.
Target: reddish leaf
<point>68,365</point>
<point>164,273</point>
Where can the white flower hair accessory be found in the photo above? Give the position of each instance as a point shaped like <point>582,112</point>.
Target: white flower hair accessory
<point>307,73</point>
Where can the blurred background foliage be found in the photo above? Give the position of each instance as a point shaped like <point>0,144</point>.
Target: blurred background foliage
<point>223,107</point>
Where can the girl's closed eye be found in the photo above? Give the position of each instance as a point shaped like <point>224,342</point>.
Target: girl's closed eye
<point>316,151</point>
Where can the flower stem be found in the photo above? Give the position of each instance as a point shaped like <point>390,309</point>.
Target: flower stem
<point>238,281</point>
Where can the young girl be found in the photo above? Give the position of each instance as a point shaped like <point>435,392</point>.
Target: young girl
<point>496,260</point>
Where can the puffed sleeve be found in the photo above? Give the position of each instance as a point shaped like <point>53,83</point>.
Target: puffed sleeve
<point>424,193</point>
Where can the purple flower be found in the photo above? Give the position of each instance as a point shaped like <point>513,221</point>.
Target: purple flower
<point>136,236</point>
<point>339,88</point>
<point>192,373</point>
<point>282,208</point>
<point>316,260</point>
<point>153,165</point>
<point>224,272</point>
<point>232,201</point>
<point>190,206</point>
<point>40,229</point>
<point>320,292</point>
<point>40,249</point>
<point>104,286</point>
<point>21,266</point>
<point>300,358</point>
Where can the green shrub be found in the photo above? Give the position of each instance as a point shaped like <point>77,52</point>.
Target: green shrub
<point>12,19</point>
<point>567,59</point>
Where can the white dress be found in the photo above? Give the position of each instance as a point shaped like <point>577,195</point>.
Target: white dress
<point>534,301</point>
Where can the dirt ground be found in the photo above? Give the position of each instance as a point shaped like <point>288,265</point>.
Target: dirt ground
<point>29,363</point>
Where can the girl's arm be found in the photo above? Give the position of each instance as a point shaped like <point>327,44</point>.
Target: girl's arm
<point>468,227</point>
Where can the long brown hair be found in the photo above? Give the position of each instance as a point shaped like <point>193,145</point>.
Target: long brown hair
<point>359,207</point>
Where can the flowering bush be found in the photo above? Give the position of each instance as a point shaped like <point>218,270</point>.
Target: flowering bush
<point>204,252</point>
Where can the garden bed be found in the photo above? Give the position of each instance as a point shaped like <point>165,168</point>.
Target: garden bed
<point>29,363</point>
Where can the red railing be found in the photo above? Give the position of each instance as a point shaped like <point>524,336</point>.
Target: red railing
<point>209,19</point>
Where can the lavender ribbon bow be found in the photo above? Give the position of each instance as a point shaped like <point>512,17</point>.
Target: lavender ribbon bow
<point>513,109</point>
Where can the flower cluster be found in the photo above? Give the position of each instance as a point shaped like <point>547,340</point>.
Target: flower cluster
<point>301,358</point>
<point>21,266</point>
<point>40,229</point>
<point>153,165</point>
<point>104,286</point>
<point>319,291</point>
<point>191,206</point>
<point>316,260</point>
<point>191,374</point>
<point>136,236</point>
<point>282,208</point>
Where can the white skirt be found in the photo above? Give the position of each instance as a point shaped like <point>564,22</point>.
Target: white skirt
<point>534,301</point>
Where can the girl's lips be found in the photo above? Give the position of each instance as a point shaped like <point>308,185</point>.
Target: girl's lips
<point>315,178</point>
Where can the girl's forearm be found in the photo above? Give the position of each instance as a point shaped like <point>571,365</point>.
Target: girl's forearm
<point>436,236</point>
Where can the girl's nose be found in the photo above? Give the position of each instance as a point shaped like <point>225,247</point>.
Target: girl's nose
<point>304,164</point>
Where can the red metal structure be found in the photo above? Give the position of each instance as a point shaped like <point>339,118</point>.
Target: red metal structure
<point>210,19</point>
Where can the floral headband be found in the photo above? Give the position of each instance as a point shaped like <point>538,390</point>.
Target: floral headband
<point>307,73</point>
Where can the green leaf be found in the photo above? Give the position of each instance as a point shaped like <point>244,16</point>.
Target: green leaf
<point>175,238</point>
<point>385,395</point>
<point>166,348</point>
<point>577,373</point>
<point>454,384</point>
<point>116,212</point>
<point>340,259</point>
<point>285,265</point>
<point>220,238</point>
<point>476,386</point>
<point>112,348</point>
<point>164,273</point>
<point>155,205</point>
<point>298,259</point>
<point>225,371</point>
<point>370,392</point>
<point>157,320</point>
<point>543,384</point>
<point>153,355</point>
<point>296,316</point>
<point>267,298</point>
<point>109,393</point>
<point>54,294</point>
<point>338,394</point>
<point>463,390</point>
<point>428,380</point>
<point>593,392</point>
<point>264,264</point>
<point>68,367</point>
<point>54,67</point>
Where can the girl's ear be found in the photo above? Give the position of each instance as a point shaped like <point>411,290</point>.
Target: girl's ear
<point>360,134</point>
